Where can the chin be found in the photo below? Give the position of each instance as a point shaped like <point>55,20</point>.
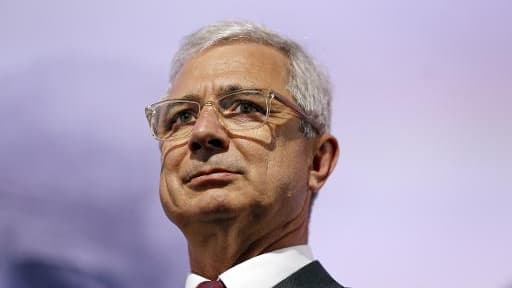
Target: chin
<point>216,204</point>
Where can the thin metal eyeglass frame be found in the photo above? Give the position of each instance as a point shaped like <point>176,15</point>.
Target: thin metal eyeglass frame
<point>270,94</point>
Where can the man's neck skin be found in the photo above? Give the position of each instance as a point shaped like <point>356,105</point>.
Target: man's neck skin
<point>223,244</point>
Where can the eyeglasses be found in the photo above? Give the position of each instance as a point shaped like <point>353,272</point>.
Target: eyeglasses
<point>243,109</point>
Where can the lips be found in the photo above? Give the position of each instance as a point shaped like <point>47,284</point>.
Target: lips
<point>210,175</point>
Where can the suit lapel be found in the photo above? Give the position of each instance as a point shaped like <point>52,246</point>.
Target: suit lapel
<point>312,275</point>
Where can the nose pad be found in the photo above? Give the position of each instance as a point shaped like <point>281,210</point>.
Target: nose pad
<point>209,132</point>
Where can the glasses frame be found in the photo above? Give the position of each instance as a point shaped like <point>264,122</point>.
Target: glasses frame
<point>150,110</point>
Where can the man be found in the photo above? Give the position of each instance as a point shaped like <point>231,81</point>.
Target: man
<point>245,148</point>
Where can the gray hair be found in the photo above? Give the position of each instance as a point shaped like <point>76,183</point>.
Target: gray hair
<point>309,85</point>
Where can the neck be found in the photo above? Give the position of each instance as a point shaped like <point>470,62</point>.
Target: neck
<point>225,244</point>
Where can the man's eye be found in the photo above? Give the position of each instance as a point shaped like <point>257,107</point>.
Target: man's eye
<point>180,119</point>
<point>247,107</point>
<point>183,117</point>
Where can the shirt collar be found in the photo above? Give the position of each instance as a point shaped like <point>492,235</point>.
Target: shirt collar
<point>262,271</point>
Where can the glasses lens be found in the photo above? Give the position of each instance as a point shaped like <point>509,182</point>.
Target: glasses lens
<point>174,119</point>
<point>244,110</point>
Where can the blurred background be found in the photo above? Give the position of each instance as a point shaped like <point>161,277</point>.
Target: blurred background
<point>422,196</point>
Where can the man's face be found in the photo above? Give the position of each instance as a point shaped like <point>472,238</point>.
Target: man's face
<point>258,177</point>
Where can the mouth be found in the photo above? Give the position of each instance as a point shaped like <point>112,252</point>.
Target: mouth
<point>209,177</point>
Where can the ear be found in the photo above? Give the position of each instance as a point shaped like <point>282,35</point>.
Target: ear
<point>324,160</point>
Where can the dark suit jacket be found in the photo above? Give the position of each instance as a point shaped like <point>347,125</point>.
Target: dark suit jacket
<point>312,275</point>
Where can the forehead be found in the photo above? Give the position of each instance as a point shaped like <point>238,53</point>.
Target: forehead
<point>238,64</point>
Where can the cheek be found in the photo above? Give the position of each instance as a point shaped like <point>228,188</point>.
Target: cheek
<point>167,203</point>
<point>178,207</point>
<point>172,156</point>
<point>171,195</point>
<point>287,173</point>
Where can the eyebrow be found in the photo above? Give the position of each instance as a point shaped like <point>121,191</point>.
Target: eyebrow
<point>230,88</point>
<point>222,90</point>
<point>193,97</point>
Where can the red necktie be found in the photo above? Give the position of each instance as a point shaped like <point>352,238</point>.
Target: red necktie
<point>211,284</point>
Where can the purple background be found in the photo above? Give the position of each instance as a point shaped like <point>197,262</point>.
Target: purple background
<point>422,106</point>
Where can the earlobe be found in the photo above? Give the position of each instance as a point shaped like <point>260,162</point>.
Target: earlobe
<point>323,162</point>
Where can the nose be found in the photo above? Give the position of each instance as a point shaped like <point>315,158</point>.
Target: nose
<point>208,133</point>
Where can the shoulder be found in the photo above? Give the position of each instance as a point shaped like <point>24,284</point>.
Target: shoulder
<point>309,276</point>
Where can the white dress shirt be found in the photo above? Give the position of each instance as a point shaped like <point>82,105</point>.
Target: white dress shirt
<point>262,271</point>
